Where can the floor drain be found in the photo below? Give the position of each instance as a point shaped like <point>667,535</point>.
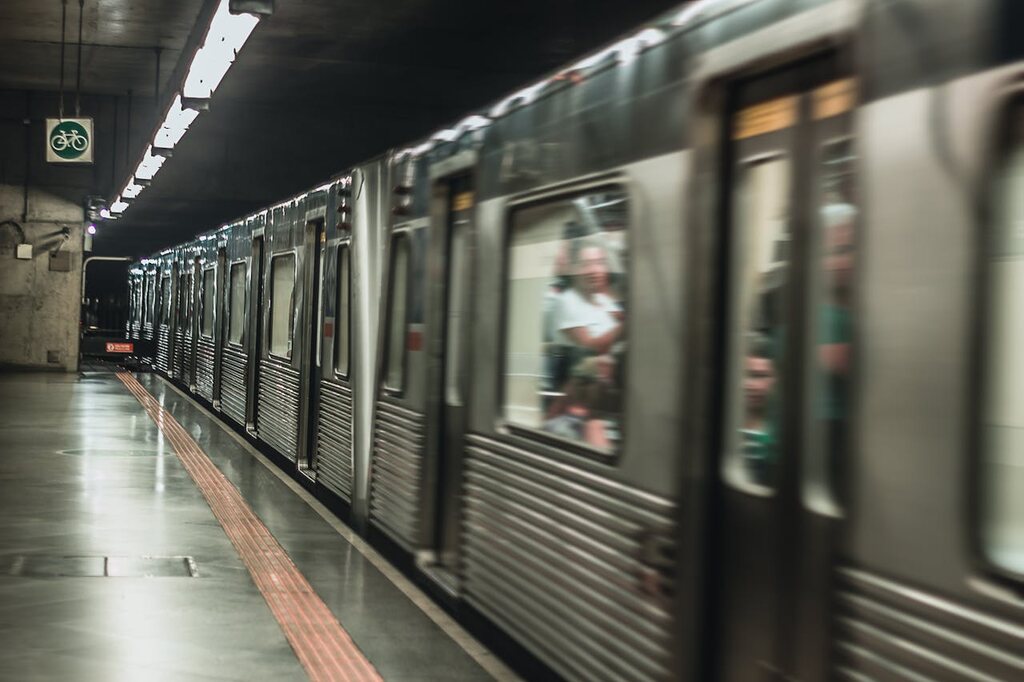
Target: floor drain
<point>47,566</point>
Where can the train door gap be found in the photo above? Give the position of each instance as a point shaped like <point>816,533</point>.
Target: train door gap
<point>453,300</point>
<point>255,336</point>
<point>770,607</point>
<point>313,255</point>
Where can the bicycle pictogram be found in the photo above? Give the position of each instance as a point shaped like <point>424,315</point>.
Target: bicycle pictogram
<point>69,140</point>
<point>63,139</point>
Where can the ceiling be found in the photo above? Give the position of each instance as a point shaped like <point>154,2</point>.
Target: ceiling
<point>320,85</point>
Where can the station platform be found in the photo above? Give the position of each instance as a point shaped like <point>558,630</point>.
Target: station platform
<point>141,539</point>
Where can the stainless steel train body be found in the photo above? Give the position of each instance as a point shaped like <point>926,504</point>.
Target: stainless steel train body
<point>694,360</point>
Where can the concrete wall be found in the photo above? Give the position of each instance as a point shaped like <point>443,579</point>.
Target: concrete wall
<point>39,307</point>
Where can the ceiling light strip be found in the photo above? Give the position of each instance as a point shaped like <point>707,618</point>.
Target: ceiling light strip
<point>224,38</point>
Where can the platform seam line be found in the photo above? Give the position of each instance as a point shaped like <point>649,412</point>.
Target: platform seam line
<point>320,642</point>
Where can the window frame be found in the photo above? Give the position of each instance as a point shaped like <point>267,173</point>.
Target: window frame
<point>207,302</point>
<point>292,316</point>
<point>399,234</point>
<point>342,247</point>
<point>1008,107</point>
<point>227,298</point>
<point>566,192</point>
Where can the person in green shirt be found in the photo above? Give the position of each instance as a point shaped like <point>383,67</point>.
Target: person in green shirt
<point>834,335</point>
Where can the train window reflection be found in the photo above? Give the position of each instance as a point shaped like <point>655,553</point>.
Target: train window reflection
<point>209,302</point>
<point>341,312</point>
<point>831,328</point>
<point>282,305</point>
<point>565,318</point>
<point>236,303</point>
<point>1002,463</point>
<point>398,312</point>
<point>760,256</point>
<point>457,265</point>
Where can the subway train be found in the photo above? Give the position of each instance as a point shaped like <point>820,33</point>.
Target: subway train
<point>696,359</point>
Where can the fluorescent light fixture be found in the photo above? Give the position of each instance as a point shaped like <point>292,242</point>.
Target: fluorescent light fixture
<point>150,164</point>
<point>132,190</point>
<point>118,206</point>
<point>228,32</point>
<point>175,124</point>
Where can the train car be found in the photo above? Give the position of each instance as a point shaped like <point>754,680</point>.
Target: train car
<point>167,276</point>
<point>695,359</point>
<point>400,390</point>
<point>136,301</point>
<point>231,362</point>
<point>207,322</point>
<point>183,324</point>
<point>351,262</point>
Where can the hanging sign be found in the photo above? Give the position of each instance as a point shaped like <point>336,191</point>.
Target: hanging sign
<point>69,140</point>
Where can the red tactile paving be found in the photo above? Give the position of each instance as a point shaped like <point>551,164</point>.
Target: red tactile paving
<point>320,642</point>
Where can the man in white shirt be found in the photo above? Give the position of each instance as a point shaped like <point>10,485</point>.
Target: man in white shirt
<point>587,316</point>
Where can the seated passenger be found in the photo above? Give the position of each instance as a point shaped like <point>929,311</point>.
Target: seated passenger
<point>758,429</point>
<point>588,411</point>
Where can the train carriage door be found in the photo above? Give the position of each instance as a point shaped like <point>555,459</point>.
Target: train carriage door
<point>449,303</point>
<point>254,339</point>
<point>195,315</point>
<point>311,331</point>
<point>220,327</point>
<point>789,216</point>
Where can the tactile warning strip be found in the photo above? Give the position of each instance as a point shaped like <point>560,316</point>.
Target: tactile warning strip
<point>321,644</point>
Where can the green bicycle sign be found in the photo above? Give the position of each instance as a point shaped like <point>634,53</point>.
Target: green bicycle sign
<point>69,140</point>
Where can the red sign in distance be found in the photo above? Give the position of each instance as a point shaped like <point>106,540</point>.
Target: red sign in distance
<point>115,347</point>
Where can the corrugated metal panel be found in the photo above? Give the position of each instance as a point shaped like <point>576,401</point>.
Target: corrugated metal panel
<point>163,360</point>
<point>277,413</point>
<point>396,470</point>
<point>334,438</point>
<point>204,367</point>
<point>576,566</point>
<point>182,344</point>
<point>234,366</point>
<point>887,630</point>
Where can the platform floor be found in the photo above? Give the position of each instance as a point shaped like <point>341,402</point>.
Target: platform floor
<point>94,502</point>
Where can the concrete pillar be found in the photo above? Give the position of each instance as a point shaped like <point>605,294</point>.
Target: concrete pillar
<point>40,297</point>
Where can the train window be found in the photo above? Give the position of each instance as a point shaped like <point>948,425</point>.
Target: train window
<point>150,305</point>
<point>282,305</point>
<point>1002,458</point>
<point>236,304</point>
<point>398,314</point>
<point>209,302</point>
<point>565,318</point>
<point>342,312</point>
<point>760,254</point>
<point>165,300</point>
<point>140,296</point>
<point>830,327</point>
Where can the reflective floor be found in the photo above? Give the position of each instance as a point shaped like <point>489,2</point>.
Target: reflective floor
<point>113,567</point>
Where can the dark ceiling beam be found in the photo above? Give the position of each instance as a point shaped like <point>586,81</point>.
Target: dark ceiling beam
<point>112,46</point>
